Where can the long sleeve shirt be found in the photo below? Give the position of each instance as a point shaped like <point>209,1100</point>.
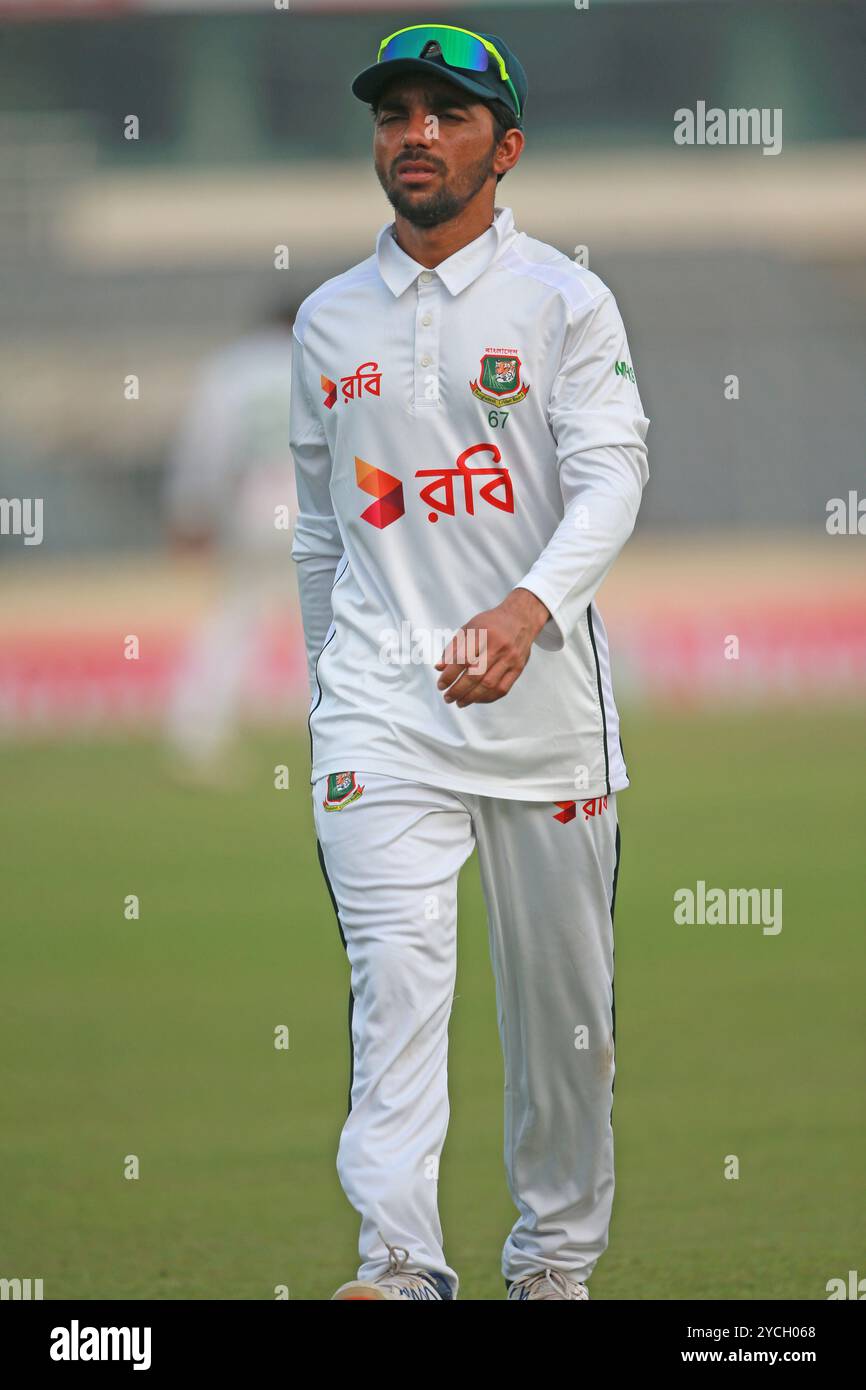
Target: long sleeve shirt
<point>459,432</point>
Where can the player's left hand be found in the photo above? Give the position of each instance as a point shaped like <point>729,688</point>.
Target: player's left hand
<point>483,660</point>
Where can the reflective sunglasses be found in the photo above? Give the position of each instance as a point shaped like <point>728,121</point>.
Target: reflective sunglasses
<point>461,48</point>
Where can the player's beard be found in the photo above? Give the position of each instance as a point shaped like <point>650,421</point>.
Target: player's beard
<point>442,203</point>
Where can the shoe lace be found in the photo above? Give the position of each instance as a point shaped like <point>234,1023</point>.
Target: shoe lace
<point>557,1284</point>
<point>397,1257</point>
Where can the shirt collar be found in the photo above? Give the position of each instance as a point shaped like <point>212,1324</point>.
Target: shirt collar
<point>399,271</point>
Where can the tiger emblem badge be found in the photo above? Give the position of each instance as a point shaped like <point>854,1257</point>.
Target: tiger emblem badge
<point>498,382</point>
<point>342,790</point>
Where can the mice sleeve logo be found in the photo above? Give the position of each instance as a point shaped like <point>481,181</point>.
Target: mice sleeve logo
<point>498,382</point>
<point>342,789</point>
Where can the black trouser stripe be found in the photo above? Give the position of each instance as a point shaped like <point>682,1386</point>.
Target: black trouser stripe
<point>613,949</point>
<point>319,700</point>
<point>351,996</point>
<point>600,698</point>
<point>328,640</point>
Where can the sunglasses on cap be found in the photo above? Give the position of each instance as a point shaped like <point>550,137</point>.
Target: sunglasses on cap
<point>460,48</point>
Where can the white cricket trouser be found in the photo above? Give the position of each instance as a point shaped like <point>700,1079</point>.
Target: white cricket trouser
<point>391,859</point>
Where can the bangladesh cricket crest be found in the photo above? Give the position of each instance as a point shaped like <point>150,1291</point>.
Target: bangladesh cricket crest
<point>498,382</point>
<point>342,790</point>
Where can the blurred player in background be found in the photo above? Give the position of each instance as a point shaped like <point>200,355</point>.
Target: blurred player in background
<point>229,470</point>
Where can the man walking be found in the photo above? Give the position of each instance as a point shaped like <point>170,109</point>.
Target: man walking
<point>470,457</point>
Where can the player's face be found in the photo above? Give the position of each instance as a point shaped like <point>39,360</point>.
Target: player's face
<point>434,124</point>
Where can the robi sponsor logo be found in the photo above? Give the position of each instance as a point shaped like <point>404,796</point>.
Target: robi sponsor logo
<point>439,493</point>
<point>366,379</point>
<point>387,490</point>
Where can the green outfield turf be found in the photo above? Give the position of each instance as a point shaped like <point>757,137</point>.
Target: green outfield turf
<point>154,1037</point>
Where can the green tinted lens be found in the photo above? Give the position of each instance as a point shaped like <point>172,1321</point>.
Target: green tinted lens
<point>458,50</point>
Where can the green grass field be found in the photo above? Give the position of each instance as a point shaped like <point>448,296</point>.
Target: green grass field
<point>155,1037</point>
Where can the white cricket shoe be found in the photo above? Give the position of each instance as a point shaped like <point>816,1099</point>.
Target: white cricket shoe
<point>397,1282</point>
<point>548,1283</point>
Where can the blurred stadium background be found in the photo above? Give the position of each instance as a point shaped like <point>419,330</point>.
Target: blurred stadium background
<point>148,256</point>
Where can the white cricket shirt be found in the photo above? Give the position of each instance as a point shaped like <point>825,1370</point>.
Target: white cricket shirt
<point>457,433</point>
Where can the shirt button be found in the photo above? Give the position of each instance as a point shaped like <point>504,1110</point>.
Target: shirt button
<point>425,361</point>
<point>427,320</point>
<point>426,276</point>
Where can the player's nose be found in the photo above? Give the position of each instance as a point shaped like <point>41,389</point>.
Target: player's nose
<point>421,127</point>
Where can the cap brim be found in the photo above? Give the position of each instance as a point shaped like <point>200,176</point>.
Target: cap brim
<point>369,83</point>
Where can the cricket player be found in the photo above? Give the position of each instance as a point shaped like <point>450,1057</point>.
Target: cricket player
<point>470,457</point>
<point>229,470</point>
